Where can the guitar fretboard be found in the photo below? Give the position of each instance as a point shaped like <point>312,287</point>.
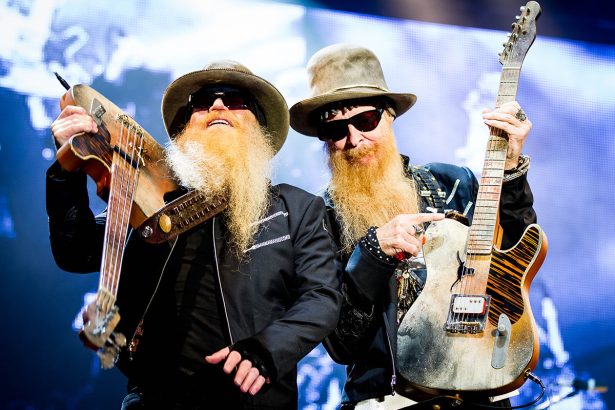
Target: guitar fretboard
<point>124,177</point>
<point>482,231</point>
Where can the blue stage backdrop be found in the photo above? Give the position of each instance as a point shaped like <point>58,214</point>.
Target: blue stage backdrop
<point>131,52</point>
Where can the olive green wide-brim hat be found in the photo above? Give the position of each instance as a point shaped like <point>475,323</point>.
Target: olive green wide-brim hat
<point>343,72</point>
<point>231,73</point>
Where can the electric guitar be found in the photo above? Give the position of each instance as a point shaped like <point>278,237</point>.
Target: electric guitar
<point>132,176</point>
<point>128,167</point>
<point>471,329</point>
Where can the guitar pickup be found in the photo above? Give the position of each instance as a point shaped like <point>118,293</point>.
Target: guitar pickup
<point>467,313</point>
<point>469,304</point>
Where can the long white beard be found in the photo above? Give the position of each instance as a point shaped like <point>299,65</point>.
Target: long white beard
<point>234,163</point>
<point>196,169</point>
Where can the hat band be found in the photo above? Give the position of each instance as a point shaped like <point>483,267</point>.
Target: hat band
<point>347,87</point>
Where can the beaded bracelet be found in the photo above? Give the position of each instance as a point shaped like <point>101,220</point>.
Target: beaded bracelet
<point>370,242</point>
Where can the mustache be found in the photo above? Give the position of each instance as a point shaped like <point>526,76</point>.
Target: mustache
<point>203,121</point>
<point>349,155</point>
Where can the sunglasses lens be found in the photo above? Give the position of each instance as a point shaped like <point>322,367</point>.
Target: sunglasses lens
<point>231,98</point>
<point>234,101</point>
<point>337,130</point>
<point>367,121</point>
<point>333,131</point>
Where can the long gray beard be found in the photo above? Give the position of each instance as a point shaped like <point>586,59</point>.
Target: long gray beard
<point>196,169</point>
<point>242,177</point>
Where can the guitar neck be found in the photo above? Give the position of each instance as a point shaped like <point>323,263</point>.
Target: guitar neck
<point>485,218</point>
<point>123,183</point>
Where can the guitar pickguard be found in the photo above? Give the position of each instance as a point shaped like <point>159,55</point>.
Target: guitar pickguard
<point>435,360</point>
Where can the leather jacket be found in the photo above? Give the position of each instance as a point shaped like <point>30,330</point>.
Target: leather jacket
<point>279,304</point>
<point>366,336</point>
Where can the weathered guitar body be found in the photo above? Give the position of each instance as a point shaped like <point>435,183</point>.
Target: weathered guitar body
<point>471,329</point>
<point>437,361</point>
<point>120,134</point>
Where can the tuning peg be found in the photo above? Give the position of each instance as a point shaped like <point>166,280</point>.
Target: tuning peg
<point>521,9</point>
<point>110,352</point>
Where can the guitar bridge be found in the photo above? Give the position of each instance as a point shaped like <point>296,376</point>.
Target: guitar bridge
<point>467,313</point>
<point>110,352</point>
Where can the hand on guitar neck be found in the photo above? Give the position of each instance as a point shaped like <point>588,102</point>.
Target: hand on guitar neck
<point>72,120</point>
<point>511,119</point>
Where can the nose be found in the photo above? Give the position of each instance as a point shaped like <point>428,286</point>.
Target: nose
<point>354,136</point>
<point>218,104</point>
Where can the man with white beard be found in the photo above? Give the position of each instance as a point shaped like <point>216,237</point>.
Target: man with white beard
<point>380,205</point>
<point>234,303</point>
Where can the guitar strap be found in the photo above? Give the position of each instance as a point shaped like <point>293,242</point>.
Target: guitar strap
<point>429,188</point>
<point>179,215</point>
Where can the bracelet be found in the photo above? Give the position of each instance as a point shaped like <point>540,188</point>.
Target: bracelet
<point>370,242</point>
<point>521,169</point>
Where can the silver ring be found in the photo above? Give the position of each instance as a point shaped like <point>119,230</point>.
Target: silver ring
<point>520,115</point>
<point>418,229</point>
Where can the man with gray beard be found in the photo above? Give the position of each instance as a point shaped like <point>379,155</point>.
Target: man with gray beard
<point>380,204</point>
<point>219,316</point>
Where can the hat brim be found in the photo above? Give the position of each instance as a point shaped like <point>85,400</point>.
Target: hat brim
<point>268,98</point>
<point>301,114</point>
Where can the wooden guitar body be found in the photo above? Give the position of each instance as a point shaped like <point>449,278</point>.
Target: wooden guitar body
<point>93,153</point>
<point>132,176</point>
<point>439,361</point>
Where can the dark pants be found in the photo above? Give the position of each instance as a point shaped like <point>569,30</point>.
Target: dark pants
<point>183,392</point>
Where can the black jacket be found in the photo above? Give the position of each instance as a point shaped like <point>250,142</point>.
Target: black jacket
<point>280,304</point>
<point>366,336</point>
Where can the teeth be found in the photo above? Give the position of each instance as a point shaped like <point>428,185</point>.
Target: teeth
<point>214,122</point>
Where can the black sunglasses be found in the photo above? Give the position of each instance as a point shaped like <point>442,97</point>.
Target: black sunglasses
<point>338,129</point>
<point>232,98</point>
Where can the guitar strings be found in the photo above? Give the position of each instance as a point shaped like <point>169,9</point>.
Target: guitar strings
<point>126,199</point>
<point>128,184</point>
<point>124,177</point>
<point>111,230</point>
<point>497,144</point>
<point>469,283</point>
<point>116,181</point>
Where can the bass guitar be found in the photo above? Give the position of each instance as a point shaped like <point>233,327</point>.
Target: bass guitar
<point>132,176</point>
<point>471,329</point>
<point>130,172</point>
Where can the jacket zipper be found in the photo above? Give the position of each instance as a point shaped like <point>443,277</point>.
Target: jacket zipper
<point>213,235</point>
<point>134,341</point>
<point>394,375</point>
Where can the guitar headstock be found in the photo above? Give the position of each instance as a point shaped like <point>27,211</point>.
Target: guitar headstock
<point>522,36</point>
<point>100,317</point>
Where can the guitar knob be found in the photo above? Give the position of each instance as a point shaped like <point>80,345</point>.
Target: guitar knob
<point>119,339</point>
<point>147,231</point>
